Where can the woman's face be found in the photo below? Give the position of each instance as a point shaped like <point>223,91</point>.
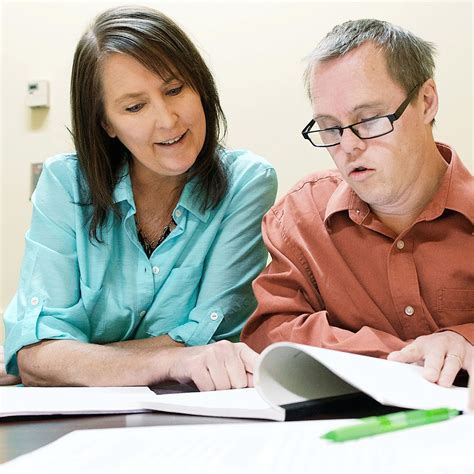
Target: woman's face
<point>161,122</point>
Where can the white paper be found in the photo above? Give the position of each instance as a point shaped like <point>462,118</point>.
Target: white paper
<point>19,401</point>
<point>237,403</point>
<point>389,382</point>
<point>254,447</point>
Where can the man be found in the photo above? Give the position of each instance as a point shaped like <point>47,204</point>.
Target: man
<point>377,258</point>
<point>470,403</point>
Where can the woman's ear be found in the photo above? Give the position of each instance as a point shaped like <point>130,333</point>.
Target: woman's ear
<point>108,129</point>
<point>430,100</point>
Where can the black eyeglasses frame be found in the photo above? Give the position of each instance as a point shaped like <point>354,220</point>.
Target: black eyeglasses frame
<point>391,117</point>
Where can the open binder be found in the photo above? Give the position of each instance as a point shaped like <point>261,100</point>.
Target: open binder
<point>295,380</point>
<point>291,381</point>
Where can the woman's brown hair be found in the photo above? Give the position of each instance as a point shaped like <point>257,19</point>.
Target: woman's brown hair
<point>161,46</point>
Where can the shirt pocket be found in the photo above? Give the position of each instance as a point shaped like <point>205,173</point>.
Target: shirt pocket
<point>93,299</point>
<point>456,306</point>
<point>174,300</point>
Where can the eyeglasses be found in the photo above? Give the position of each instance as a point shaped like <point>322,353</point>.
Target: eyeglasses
<point>366,129</point>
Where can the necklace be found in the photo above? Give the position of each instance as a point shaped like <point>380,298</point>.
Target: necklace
<point>149,245</point>
<point>148,231</point>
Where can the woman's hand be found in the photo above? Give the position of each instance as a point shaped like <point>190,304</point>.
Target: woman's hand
<point>6,379</point>
<point>137,362</point>
<point>219,366</point>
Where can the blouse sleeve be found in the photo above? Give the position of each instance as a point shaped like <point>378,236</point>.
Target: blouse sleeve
<point>47,304</point>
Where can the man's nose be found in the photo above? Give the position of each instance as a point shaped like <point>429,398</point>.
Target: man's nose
<point>350,141</point>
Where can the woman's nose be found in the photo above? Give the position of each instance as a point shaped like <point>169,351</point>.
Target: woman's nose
<point>166,116</point>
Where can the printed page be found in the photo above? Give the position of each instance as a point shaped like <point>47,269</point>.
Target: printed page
<point>254,447</point>
<point>20,401</point>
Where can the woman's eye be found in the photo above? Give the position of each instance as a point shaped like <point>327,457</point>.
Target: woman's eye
<point>175,90</point>
<point>134,108</point>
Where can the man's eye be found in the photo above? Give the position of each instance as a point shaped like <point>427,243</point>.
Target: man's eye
<point>372,122</point>
<point>175,91</point>
<point>323,125</point>
<point>368,119</point>
<point>134,108</point>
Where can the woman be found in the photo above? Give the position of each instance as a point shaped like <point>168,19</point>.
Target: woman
<point>144,243</point>
<point>6,379</point>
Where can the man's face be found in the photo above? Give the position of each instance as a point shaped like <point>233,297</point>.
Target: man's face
<point>356,87</point>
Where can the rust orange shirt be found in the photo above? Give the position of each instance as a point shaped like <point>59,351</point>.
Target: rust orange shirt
<point>341,279</point>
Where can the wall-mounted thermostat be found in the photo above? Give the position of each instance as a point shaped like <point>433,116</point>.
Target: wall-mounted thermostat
<point>38,94</point>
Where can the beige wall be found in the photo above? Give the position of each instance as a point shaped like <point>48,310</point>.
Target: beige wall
<point>255,50</point>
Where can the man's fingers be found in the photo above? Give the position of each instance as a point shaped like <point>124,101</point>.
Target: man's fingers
<point>394,356</point>
<point>452,365</point>
<point>442,355</point>
<point>470,403</point>
<point>434,362</point>
<point>410,353</point>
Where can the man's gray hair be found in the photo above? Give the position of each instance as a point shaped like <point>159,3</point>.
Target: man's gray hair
<point>409,58</point>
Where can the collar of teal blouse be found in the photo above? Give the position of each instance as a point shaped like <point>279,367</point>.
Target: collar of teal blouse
<point>123,192</point>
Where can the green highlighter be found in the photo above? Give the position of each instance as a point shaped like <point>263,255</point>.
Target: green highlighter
<point>374,425</point>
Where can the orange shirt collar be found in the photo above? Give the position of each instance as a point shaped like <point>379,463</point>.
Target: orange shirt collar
<point>455,186</point>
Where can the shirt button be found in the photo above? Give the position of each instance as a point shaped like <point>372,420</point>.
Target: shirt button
<point>155,270</point>
<point>409,311</point>
<point>142,313</point>
<point>178,213</point>
<point>400,245</point>
<point>214,316</point>
<point>358,211</point>
<point>34,300</point>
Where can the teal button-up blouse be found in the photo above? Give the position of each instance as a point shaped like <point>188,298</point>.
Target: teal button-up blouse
<point>195,287</point>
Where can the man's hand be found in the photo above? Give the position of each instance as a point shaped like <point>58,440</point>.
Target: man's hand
<point>442,354</point>
<point>6,379</point>
<point>470,402</point>
<point>219,366</point>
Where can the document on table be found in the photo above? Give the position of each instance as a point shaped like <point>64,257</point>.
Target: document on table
<point>24,401</point>
<point>287,377</point>
<point>254,447</point>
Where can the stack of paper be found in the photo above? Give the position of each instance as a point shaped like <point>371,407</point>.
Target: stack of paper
<point>254,447</point>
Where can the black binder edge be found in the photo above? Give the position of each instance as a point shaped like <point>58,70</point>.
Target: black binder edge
<point>350,405</point>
